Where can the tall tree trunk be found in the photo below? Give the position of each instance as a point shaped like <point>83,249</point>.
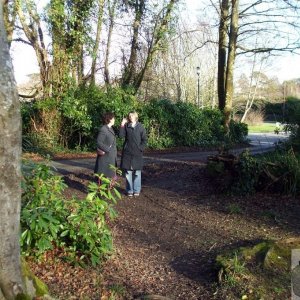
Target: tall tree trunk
<point>111,10</point>
<point>233,34</point>
<point>80,64</point>
<point>61,61</point>
<point>130,69</point>
<point>157,37</point>
<point>97,40</point>
<point>222,53</point>
<point>9,14</point>
<point>11,284</point>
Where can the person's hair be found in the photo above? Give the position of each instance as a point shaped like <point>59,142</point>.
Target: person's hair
<point>107,117</point>
<point>133,114</point>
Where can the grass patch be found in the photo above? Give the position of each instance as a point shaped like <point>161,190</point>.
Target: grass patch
<point>264,128</point>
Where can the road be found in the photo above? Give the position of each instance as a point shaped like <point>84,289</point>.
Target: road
<point>266,139</point>
<point>259,143</point>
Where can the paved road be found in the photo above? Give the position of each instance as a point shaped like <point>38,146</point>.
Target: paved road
<point>259,143</point>
<point>266,139</point>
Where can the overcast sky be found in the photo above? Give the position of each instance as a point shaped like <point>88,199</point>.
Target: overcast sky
<point>25,63</point>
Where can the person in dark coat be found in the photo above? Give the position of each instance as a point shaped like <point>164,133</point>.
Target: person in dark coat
<point>132,154</point>
<point>106,141</point>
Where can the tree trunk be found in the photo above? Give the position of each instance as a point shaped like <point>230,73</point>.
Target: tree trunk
<point>97,41</point>
<point>157,37</point>
<point>130,69</point>
<point>61,60</point>
<point>11,284</point>
<point>222,53</point>
<point>80,64</point>
<point>9,14</point>
<point>230,62</point>
<point>111,9</point>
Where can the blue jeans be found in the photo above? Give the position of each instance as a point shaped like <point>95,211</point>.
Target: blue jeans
<point>133,181</point>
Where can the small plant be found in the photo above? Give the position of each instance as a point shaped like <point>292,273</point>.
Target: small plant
<point>234,208</point>
<point>117,292</point>
<point>270,214</point>
<point>77,227</point>
<point>234,270</point>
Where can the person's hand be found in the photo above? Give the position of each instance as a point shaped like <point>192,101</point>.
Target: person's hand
<point>124,121</point>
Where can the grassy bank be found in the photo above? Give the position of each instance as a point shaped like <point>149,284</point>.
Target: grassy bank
<point>267,127</point>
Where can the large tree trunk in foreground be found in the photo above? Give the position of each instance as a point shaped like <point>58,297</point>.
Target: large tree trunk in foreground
<point>11,283</point>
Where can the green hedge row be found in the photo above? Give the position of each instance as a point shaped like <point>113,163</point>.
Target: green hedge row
<point>168,124</point>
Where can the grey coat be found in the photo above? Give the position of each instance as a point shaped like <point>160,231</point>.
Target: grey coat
<point>106,141</point>
<point>134,146</point>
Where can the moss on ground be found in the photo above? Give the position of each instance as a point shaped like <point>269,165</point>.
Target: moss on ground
<point>35,287</point>
<point>259,272</point>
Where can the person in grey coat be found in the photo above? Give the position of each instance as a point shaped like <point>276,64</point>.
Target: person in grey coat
<point>106,141</point>
<point>132,154</point>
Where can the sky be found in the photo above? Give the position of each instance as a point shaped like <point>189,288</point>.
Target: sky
<point>25,63</point>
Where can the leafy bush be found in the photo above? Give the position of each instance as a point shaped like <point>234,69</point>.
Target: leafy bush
<point>183,124</point>
<point>280,172</point>
<point>79,111</point>
<point>293,128</point>
<point>277,172</point>
<point>82,110</point>
<point>283,110</point>
<point>247,173</point>
<point>77,227</point>
<point>238,132</point>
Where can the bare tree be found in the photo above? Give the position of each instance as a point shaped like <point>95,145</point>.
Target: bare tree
<point>275,22</point>
<point>173,73</point>
<point>252,89</point>
<point>33,31</point>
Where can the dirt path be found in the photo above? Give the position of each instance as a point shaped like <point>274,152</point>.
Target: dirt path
<point>167,239</point>
<point>76,165</point>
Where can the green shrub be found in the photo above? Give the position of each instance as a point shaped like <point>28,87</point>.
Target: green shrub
<point>183,124</point>
<point>277,172</point>
<point>283,110</point>
<point>83,108</point>
<point>78,117</point>
<point>281,172</point>
<point>238,132</point>
<point>77,227</point>
<point>246,175</point>
<point>79,112</point>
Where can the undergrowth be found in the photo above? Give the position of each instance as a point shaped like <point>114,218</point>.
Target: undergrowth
<point>78,228</point>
